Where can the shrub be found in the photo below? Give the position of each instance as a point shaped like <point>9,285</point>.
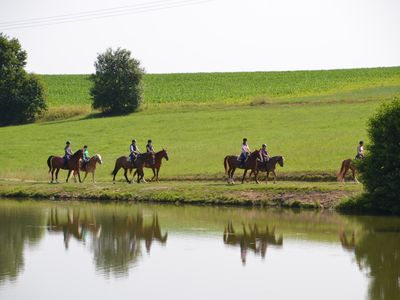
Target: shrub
<point>22,97</point>
<point>117,82</point>
<point>380,169</point>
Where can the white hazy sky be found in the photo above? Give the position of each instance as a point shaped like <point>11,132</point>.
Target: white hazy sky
<point>219,35</point>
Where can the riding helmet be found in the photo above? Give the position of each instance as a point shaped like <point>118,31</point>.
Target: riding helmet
<point>149,141</point>
<point>264,145</point>
<point>133,141</point>
<point>68,142</point>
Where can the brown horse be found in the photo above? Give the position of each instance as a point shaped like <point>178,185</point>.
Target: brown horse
<point>90,166</point>
<point>55,163</point>
<point>268,167</point>
<point>231,163</point>
<point>346,165</point>
<point>141,160</point>
<point>158,156</point>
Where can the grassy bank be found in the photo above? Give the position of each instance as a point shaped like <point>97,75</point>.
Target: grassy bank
<point>285,194</point>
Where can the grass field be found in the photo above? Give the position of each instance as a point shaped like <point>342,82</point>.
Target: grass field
<point>315,119</point>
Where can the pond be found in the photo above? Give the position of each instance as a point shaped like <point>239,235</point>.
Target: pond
<point>71,250</point>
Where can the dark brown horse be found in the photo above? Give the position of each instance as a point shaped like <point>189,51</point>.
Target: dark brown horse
<point>346,165</point>
<point>158,156</point>
<point>55,163</point>
<point>141,160</point>
<point>231,163</point>
<point>268,167</point>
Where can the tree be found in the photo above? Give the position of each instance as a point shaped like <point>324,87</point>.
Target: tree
<point>380,169</point>
<point>22,97</point>
<point>117,82</point>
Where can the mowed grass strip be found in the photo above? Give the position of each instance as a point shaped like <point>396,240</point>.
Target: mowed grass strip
<point>239,87</point>
<point>313,138</point>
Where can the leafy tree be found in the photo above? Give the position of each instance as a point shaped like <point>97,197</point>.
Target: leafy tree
<point>22,97</point>
<point>381,167</point>
<point>117,82</point>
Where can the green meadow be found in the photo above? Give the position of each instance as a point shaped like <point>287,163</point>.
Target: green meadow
<point>313,118</point>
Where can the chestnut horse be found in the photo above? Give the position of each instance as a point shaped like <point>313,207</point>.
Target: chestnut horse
<point>123,162</point>
<point>158,156</point>
<point>269,166</point>
<point>55,163</point>
<point>90,166</point>
<point>231,163</point>
<point>346,165</point>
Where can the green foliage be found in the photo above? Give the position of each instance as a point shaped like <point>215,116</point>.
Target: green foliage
<point>117,82</point>
<point>242,88</point>
<point>381,167</point>
<point>22,96</point>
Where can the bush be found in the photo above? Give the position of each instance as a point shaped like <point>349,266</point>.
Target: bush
<point>380,169</point>
<point>22,96</point>
<point>117,82</point>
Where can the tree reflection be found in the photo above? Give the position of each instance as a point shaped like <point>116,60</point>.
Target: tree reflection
<point>377,252</point>
<point>18,226</point>
<point>252,239</point>
<point>115,238</point>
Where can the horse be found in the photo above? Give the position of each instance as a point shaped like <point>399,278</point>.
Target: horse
<point>90,166</point>
<point>346,165</point>
<point>231,163</point>
<point>141,160</point>
<point>158,156</point>
<point>57,163</point>
<point>269,166</point>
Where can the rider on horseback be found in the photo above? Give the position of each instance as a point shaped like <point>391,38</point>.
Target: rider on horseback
<point>245,152</point>
<point>264,154</point>
<point>86,156</point>
<point>360,150</point>
<point>149,147</point>
<point>68,152</point>
<point>134,151</point>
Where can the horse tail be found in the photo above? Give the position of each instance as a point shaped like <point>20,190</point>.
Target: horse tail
<point>49,162</point>
<point>340,175</point>
<point>226,164</point>
<point>116,168</point>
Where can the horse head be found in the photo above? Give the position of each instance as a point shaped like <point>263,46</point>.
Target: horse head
<point>165,154</point>
<point>281,160</point>
<point>255,154</point>
<point>98,159</point>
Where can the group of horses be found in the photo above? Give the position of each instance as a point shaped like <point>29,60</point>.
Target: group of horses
<point>76,164</point>
<point>153,161</point>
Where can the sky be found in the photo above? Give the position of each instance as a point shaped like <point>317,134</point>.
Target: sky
<point>180,36</point>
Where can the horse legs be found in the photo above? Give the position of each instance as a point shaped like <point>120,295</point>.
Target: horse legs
<point>154,174</point>
<point>52,175</point>
<point>58,170</point>
<point>255,175</point>
<point>126,177</point>
<point>84,177</point>
<point>274,172</point>
<point>69,173</point>
<point>266,178</point>
<point>244,175</point>
<point>353,171</point>
<point>158,172</point>
<point>93,177</point>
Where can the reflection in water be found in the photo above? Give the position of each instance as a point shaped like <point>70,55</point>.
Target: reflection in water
<point>254,239</point>
<point>18,226</point>
<point>115,239</point>
<point>377,252</point>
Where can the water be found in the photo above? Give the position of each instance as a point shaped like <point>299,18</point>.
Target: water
<point>57,250</point>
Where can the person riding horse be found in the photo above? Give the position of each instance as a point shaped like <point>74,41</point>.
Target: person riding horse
<point>86,157</point>
<point>360,150</point>
<point>244,153</point>
<point>149,147</point>
<point>134,151</point>
<point>264,154</point>
<point>68,152</point>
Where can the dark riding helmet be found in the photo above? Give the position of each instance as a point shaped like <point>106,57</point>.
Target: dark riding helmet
<point>361,142</point>
<point>244,140</point>
<point>85,146</point>
<point>264,145</point>
<point>133,141</point>
<point>68,142</point>
<point>149,141</point>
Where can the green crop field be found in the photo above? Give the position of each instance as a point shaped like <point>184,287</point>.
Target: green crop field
<point>315,119</point>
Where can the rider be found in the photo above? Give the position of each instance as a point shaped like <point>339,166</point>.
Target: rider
<point>149,146</point>
<point>68,152</point>
<point>134,151</point>
<point>244,153</point>
<point>360,150</point>
<point>264,154</point>
<point>86,156</point>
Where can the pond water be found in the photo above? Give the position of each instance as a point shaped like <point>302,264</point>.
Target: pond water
<point>67,250</point>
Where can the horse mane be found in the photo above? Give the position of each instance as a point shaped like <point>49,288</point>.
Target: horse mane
<point>77,153</point>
